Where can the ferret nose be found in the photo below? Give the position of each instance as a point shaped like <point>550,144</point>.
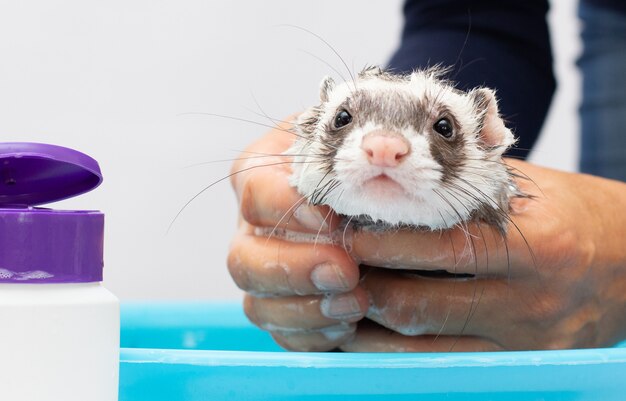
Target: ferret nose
<point>385,149</point>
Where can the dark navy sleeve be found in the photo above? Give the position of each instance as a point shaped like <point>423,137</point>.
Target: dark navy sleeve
<point>502,44</point>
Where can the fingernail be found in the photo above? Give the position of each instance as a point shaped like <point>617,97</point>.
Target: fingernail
<point>341,306</point>
<point>342,331</point>
<point>329,277</point>
<point>310,218</point>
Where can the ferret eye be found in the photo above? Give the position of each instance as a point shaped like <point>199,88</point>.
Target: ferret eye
<point>342,119</point>
<point>444,128</point>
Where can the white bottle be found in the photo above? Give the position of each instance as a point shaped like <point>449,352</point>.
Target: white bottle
<point>59,327</point>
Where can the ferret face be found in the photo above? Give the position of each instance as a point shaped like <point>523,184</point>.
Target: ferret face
<point>402,149</point>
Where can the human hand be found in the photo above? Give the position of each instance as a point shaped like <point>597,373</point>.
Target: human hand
<point>557,282</point>
<point>560,285</point>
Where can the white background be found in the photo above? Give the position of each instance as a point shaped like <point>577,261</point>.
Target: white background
<point>112,78</point>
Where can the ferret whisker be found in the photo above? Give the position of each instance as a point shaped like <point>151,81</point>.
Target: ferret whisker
<point>467,65</point>
<point>330,189</point>
<point>317,189</point>
<point>319,155</point>
<point>449,311</point>
<point>482,235</point>
<point>312,140</point>
<point>324,62</point>
<point>497,209</point>
<point>500,162</point>
<point>462,226</point>
<point>250,158</point>
<point>492,203</point>
<point>467,192</point>
<point>245,120</point>
<point>460,201</point>
<point>291,210</point>
<point>515,156</point>
<point>467,34</point>
<point>518,173</point>
<point>321,198</point>
<point>182,209</point>
<point>528,247</point>
<point>508,260</point>
<point>473,252</point>
<point>314,199</point>
<point>294,162</point>
<point>485,169</point>
<point>275,121</point>
<point>443,220</point>
<point>508,218</point>
<point>448,186</point>
<point>480,297</point>
<point>524,149</point>
<point>476,281</point>
<point>343,235</point>
<point>319,232</point>
<point>485,179</point>
<point>327,45</point>
<point>473,309</point>
<point>278,154</point>
<point>471,238</point>
<point>481,169</point>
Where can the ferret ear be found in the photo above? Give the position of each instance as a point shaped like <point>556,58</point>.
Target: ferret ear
<point>307,122</point>
<point>493,132</point>
<point>326,86</point>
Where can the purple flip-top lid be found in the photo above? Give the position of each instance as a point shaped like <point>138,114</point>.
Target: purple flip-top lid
<point>43,245</point>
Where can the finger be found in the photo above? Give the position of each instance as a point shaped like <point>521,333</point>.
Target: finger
<point>477,249</point>
<point>309,312</point>
<point>277,267</point>
<point>371,337</point>
<point>267,200</point>
<point>260,179</point>
<point>320,340</point>
<point>413,305</point>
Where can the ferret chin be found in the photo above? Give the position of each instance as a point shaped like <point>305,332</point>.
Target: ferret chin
<point>382,186</point>
<point>410,149</point>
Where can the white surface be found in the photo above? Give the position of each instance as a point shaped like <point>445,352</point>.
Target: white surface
<point>111,78</point>
<point>58,342</point>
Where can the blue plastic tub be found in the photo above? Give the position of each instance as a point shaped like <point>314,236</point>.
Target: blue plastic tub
<point>209,351</point>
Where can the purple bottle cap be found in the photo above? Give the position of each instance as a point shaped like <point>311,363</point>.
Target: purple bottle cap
<point>34,173</point>
<point>43,245</point>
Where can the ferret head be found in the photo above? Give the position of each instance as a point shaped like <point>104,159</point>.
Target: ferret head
<point>403,149</point>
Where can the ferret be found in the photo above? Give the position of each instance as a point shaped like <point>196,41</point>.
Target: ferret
<point>396,150</point>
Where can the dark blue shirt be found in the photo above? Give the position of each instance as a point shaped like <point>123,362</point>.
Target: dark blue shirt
<point>502,44</point>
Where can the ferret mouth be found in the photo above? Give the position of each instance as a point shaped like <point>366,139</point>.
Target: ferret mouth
<point>383,182</point>
<point>382,178</point>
